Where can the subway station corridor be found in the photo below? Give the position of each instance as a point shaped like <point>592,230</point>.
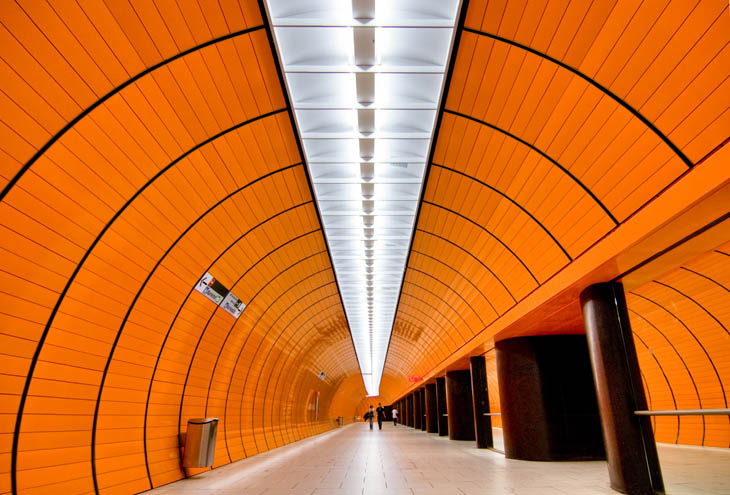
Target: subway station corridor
<point>402,461</point>
<point>228,227</point>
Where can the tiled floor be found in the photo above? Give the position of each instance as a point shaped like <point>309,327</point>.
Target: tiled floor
<point>402,461</point>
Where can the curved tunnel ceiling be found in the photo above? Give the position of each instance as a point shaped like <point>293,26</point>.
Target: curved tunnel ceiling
<point>144,148</point>
<point>560,121</point>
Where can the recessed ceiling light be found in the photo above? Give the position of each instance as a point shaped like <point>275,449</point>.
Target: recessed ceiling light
<point>365,80</point>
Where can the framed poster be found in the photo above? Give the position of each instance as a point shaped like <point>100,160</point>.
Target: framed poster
<point>210,288</point>
<point>233,305</point>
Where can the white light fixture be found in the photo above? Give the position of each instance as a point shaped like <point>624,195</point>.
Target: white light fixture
<point>365,80</point>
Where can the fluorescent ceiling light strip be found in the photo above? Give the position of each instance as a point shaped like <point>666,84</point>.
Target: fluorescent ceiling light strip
<point>365,81</point>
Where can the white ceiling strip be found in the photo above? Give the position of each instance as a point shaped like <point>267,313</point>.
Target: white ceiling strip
<point>365,80</point>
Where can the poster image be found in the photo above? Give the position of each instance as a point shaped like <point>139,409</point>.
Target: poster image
<point>233,305</point>
<point>205,287</point>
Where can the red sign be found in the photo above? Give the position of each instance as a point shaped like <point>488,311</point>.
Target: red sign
<point>414,378</point>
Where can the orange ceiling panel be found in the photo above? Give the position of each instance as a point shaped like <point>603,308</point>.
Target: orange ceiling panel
<point>559,121</point>
<point>143,148</point>
<point>62,63</point>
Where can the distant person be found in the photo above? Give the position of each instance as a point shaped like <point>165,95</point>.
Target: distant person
<point>369,416</point>
<point>381,415</point>
<point>394,413</point>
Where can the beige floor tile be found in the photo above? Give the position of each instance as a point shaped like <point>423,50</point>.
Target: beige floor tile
<point>402,461</point>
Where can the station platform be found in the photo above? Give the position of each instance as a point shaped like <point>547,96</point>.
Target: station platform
<point>402,461</point>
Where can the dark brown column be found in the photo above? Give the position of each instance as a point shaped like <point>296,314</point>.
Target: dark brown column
<point>423,408</point>
<point>480,402</point>
<point>459,404</point>
<point>418,414</point>
<point>633,464</point>
<point>524,422</point>
<point>432,419</point>
<point>549,408</point>
<point>411,412</point>
<point>412,398</point>
<point>443,420</point>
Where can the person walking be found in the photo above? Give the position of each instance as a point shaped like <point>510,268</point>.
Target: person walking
<point>370,414</point>
<point>394,413</point>
<point>381,415</point>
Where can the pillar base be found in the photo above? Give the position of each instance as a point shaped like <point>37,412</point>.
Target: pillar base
<point>480,402</point>
<point>432,420</point>
<point>548,400</point>
<point>459,405</point>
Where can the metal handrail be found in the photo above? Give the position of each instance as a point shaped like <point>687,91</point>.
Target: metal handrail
<point>685,412</point>
<point>671,412</point>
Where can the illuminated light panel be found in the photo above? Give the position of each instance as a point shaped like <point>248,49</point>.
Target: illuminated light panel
<point>365,79</point>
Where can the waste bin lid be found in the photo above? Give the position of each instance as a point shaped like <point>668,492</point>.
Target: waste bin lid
<point>201,421</point>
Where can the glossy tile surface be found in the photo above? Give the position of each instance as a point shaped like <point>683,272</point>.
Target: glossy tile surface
<point>403,461</point>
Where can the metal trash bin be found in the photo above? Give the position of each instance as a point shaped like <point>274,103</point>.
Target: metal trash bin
<point>340,421</point>
<point>200,442</point>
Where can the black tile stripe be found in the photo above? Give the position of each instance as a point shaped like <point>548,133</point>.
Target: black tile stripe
<point>418,314</point>
<point>664,374</point>
<point>480,226</point>
<point>696,303</point>
<point>674,245</point>
<point>426,274</point>
<point>457,272</point>
<point>542,154</point>
<point>508,198</point>
<point>427,304</point>
<point>596,85</point>
<point>684,268</point>
<point>428,332</point>
<point>111,93</point>
<point>461,248</point>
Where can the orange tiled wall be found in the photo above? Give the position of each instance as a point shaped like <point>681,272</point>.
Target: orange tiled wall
<point>141,148</point>
<point>681,323</point>
<point>493,386</point>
